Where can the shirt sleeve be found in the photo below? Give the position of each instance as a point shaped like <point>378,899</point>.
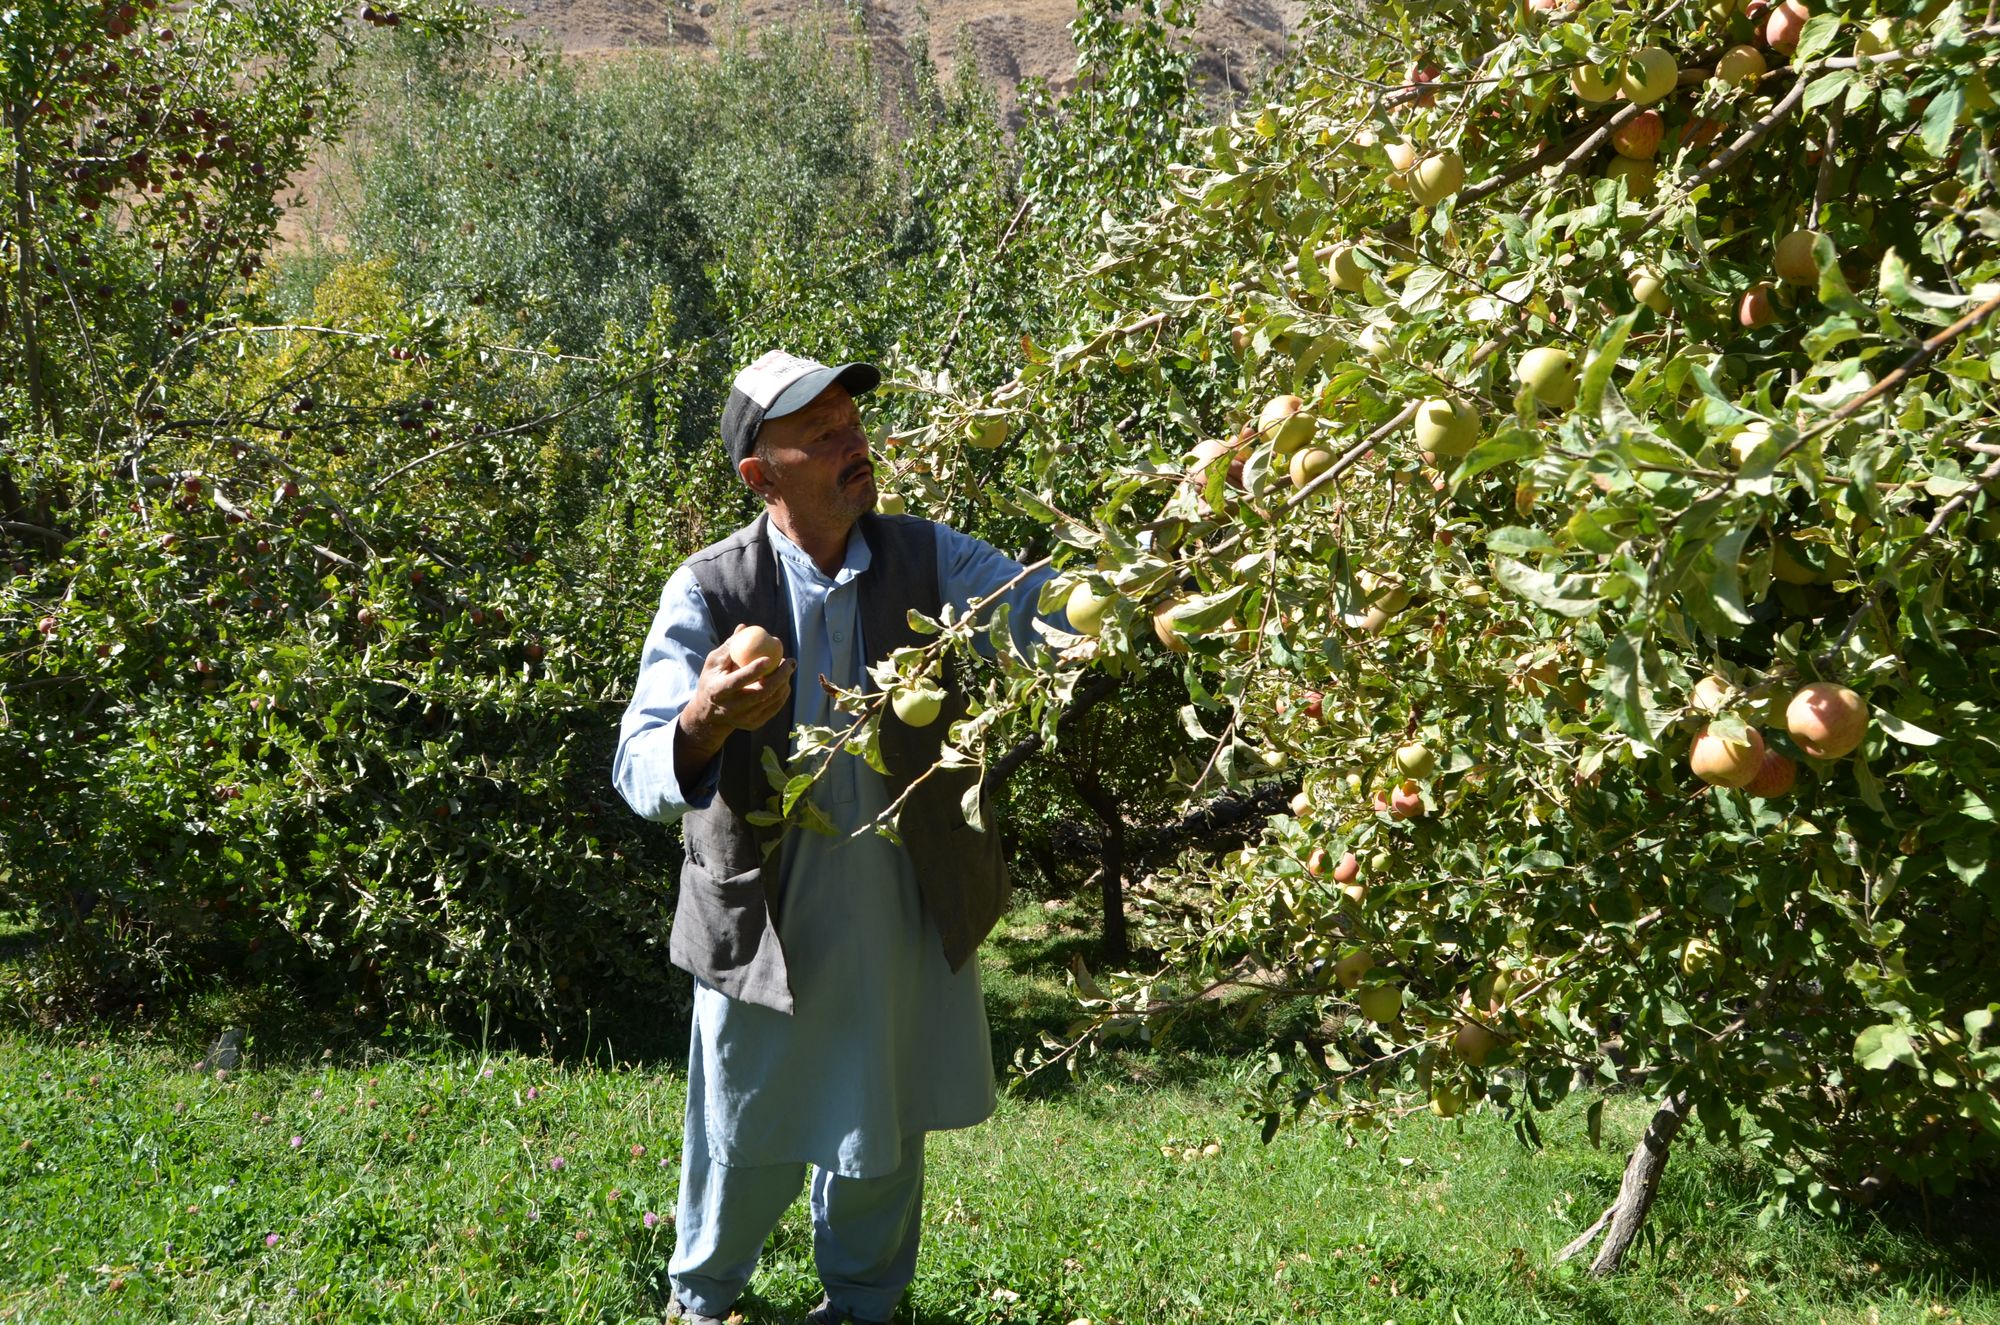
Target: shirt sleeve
<point>679,642</point>
<point>970,569</point>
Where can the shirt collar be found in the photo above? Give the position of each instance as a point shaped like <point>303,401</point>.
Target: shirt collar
<point>858,559</point>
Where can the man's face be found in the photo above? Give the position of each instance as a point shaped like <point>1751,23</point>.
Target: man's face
<point>814,462</point>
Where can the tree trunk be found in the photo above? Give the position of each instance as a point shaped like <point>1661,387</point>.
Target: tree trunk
<point>1627,1214</point>
<point>1112,853</point>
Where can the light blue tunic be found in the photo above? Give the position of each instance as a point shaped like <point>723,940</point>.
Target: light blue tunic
<point>886,1041</point>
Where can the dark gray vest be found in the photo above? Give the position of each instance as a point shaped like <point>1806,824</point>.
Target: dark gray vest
<point>732,882</point>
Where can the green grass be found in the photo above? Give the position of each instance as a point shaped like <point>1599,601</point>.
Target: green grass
<point>422,1189</point>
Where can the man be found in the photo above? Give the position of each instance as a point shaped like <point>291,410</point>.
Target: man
<point>838,1016</point>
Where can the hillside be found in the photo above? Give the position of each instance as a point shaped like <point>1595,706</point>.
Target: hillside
<point>1237,39</point>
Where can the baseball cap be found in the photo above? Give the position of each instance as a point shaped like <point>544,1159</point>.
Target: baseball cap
<point>779,384</point>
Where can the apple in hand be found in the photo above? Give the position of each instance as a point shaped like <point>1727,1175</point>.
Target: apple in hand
<point>750,643</point>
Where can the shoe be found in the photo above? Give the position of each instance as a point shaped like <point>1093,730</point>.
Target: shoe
<point>827,1314</point>
<point>677,1311</point>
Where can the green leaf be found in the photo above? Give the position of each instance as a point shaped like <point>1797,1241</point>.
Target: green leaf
<point>1941,119</point>
<point>1978,1022</point>
<point>1818,36</point>
<point>794,789</point>
<point>1903,292</point>
<point>1515,541</point>
<point>1828,85</point>
<point>1881,1047</point>
<point>1510,444</point>
<point>969,807</point>
<point>1206,612</point>
<point>1603,357</point>
<point>1727,585</point>
<point>1906,731</point>
<point>1567,595</point>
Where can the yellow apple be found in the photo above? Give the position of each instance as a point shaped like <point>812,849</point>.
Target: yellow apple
<point>1309,463</point>
<point>1740,66</point>
<point>1650,289</point>
<point>1549,372</point>
<point>1473,1042</point>
<point>1287,422</point>
<point>1638,175</point>
<point>1381,1003</point>
<point>1349,970</point>
<point>987,432</point>
<point>1085,608</point>
<point>1793,259</point>
<point>1446,427</point>
<point>1648,75</point>
<point>1437,178</point>
<point>1416,759</point>
<point>1343,270</point>
<point>918,704</point>
<point>753,642</point>
<point>1590,84</point>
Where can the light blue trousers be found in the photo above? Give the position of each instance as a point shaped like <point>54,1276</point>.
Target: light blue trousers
<point>865,1230</point>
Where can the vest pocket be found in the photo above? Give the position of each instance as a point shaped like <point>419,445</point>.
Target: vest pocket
<point>720,918</point>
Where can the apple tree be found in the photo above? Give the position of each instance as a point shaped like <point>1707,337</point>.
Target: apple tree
<point>1565,462</point>
<point>300,669</point>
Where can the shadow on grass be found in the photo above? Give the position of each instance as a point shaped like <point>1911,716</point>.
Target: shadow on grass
<point>1030,1002</point>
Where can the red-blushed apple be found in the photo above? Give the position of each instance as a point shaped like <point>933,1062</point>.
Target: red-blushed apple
<point>1725,763</point>
<point>1406,801</point>
<point>1316,863</point>
<point>1776,775</point>
<point>1755,308</point>
<point>1827,720</point>
<point>1413,92</point>
<point>1700,133</point>
<point>1348,870</point>
<point>1784,24</point>
<point>1164,630</point>
<point>1639,137</point>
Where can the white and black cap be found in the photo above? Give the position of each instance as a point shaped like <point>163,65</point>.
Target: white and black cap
<point>779,384</point>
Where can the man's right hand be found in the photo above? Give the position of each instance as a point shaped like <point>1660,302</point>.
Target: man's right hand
<point>727,698</point>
